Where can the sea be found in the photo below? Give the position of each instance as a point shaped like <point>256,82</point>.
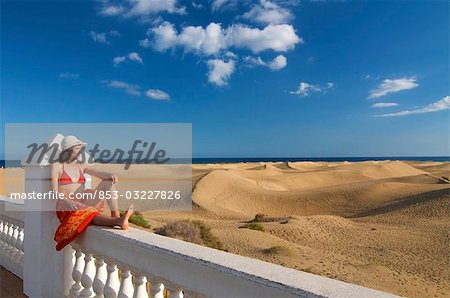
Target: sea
<point>212,160</point>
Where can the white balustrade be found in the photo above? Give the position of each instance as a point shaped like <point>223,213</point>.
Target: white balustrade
<point>11,236</point>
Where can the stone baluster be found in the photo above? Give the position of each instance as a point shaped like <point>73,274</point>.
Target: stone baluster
<point>112,281</point>
<point>14,241</point>
<point>126,283</point>
<point>5,237</point>
<point>2,227</point>
<point>21,245</point>
<point>175,292</point>
<point>140,286</point>
<point>11,242</point>
<point>18,245</point>
<point>157,290</point>
<point>2,236</point>
<point>100,277</point>
<point>87,278</point>
<point>77,272</point>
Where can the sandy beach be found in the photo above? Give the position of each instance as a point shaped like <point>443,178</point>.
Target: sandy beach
<point>380,224</point>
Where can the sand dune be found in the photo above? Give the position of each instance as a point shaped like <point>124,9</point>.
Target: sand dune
<point>296,178</point>
<point>237,192</point>
<point>381,224</point>
<point>438,169</point>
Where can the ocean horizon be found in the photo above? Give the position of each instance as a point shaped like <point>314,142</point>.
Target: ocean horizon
<point>212,160</point>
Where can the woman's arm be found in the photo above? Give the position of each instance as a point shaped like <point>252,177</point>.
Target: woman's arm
<point>99,174</point>
<point>54,174</point>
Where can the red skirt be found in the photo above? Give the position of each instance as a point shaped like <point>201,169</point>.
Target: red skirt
<point>73,222</point>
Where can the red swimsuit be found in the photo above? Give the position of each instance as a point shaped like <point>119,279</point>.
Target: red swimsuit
<point>65,179</point>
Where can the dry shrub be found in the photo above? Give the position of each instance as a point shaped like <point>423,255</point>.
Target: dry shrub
<point>194,231</point>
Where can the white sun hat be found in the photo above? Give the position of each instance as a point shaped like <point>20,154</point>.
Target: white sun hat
<point>70,141</point>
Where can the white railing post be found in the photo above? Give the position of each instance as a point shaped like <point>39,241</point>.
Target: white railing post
<point>77,271</point>
<point>126,284</point>
<point>100,277</point>
<point>112,281</point>
<point>140,289</point>
<point>47,273</point>
<point>87,278</point>
<point>158,290</point>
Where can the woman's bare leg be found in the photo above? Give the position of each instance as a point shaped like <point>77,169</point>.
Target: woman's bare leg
<point>113,204</point>
<point>106,221</point>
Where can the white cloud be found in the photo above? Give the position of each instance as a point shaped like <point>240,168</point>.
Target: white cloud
<point>277,63</point>
<point>371,77</point>
<point>111,10</point>
<point>155,21</point>
<point>135,90</point>
<point>151,7</point>
<point>141,8</point>
<point>68,75</point>
<point>222,4</point>
<point>197,5</point>
<point>391,86</point>
<point>209,40</point>
<point>118,60</point>
<point>135,57</point>
<point>220,71</point>
<point>129,88</point>
<point>384,104</point>
<point>305,89</point>
<point>254,61</point>
<point>98,37</point>
<point>145,43</point>
<point>230,54</point>
<point>440,105</point>
<point>268,12</point>
<point>157,94</point>
<point>102,37</point>
<point>280,38</point>
<point>165,36</point>
<point>131,56</point>
<point>114,33</point>
<point>212,39</point>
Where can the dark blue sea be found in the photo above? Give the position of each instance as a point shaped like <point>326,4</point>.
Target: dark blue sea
<point>16,163</point>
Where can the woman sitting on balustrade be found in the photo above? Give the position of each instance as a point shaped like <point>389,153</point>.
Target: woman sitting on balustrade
<point>75,214</point>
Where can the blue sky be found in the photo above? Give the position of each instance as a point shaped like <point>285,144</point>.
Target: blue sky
<point>255,78</point>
